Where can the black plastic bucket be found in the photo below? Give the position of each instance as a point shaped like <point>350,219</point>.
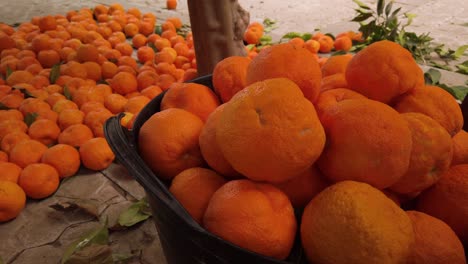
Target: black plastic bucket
<point>183,240</point>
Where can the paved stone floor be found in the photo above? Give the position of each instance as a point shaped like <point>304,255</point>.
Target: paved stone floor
<point>45,228</point>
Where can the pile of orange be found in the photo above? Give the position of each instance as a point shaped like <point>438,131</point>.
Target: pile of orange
<point>63,76</point>
<point>373,158</point>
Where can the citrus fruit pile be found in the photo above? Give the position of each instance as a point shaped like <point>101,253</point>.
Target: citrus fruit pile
<point>63,76</point>
<point>374,159</point>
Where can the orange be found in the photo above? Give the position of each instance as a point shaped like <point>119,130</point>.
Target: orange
<point>171,4</point>
<point>145,54</point>
<point>367,141</point>
<point>435,242</point>
<point>64,158</point>
<point>447,200</point>
<point>383,71</point>
<point>343,43</point>
<point>336,64</point>
<point>286,60</point>
<point>312,46</point>
<point>11,114</point>
<point>10,172</point>
<point>195,98</point>
<point>435,102</point>
<point>11,125</point>
<point>330,98</point>
<point>3,156</point>
<point>204,181</point>
<point>210,149</point>
<point>168,153</point>
<point>333,81</point>
<point>6,42</point>
<point>39,180</point>
<point>136,103</point>
<point>123,83</point>
<point>11,139</point>
<point>460,148</point>
<point>151,91</point>
<point>352,222</point>
<point>47,23</point>
<point>326,44</point>
<point>12,100</point>
<point>229,76</point>
<point>95,120</point>
<point>48,58</point>
<point>266,226</point>
<point>147,78</point>
<point>27,152</point>
<point>75,135</point>
<point>305,186</point>
<point>431,154</point>
<point>270,132</point>
<point>12,200</point>
<point>70,117</point>
<point>96,154</point>
<point>115,103</point>
<point>45,131</point>
<point>17,77</point>
<point>93,70</point>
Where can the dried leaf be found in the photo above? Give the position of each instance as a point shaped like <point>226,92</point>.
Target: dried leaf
<point>88,206</point>
<point>122,258</point>
<point>100,236</point>
<point>137,212</point>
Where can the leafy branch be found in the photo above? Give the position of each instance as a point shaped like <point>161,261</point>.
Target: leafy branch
<point>386,23</point>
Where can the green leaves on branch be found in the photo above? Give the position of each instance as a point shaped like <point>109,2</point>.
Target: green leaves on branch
<point>386,23</point>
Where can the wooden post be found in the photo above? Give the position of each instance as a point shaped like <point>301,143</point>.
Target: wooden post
<point>218,27</point>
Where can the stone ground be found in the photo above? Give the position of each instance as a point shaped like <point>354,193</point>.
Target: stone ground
<point>45,228</point>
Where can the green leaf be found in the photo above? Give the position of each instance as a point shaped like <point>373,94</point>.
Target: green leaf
<point>8,72</point>
<point>250,47</point>
<point>380,6</point>
<point>432,76</point>
<point>410,18</point>
<point>158,29</point>
<point>362,17</point>
<point>463,68</point>
<point>1,260</point>
<point>54,73</point>
<point>67,93</point>
<point>459,92</point>
<point>306,36</point>
<point>459,52</point>
<point>137,212</point>
<point>4,107</point>
<point>151,45</point>
<point>291,35</point>
<point>30,118</point>
<point>395,12</point>
<point>26,93</point>
<point>99,236</point>
<point>99,254</point>
<point>388,8</point>
<point>361,4</point>
<point>265,39</point>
